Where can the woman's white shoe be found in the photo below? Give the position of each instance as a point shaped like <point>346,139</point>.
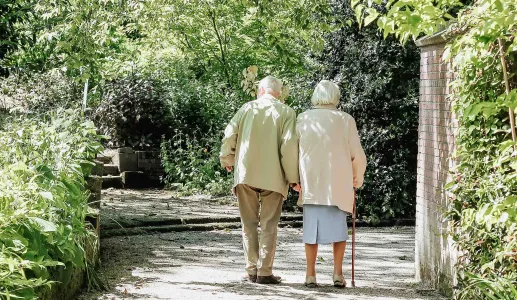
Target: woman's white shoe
<point>339,281</point>
<point>310,282</point>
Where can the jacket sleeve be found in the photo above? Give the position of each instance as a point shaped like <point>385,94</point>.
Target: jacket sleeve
<point>229,143</point>
<point>289,148</point>
<point>356,153</point>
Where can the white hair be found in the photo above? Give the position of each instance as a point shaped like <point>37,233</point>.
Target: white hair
<point>270,84</point>
<point>326,92</point>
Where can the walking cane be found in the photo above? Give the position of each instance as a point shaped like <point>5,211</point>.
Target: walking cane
<point>353,243</point>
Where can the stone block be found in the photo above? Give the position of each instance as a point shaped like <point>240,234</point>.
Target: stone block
<point>125,150</point>
<point>135,179</point>
<point>104,159</point>
<point>94,185</point>
<point>112,182</point>
<point>111,169</point>
<point>93,217</point>
<point>126,161</point>
<point>98,169</point>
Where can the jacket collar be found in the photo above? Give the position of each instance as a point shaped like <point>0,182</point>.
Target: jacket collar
<point>269,97</point>
<point>326,106</point>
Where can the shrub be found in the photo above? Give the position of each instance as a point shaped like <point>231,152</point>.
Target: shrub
<point>43,202</point>
<point>483,206</point>
<point>133,113</point>
<point>195,164</point>
<point>199,111</point>
<point>39,93</point>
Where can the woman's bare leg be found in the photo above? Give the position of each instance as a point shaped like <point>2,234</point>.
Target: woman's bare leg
<point>339,253</point>
<point>311,251</point>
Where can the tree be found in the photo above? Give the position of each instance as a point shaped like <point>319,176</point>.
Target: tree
<point>221,38</point>
<point>11,14</point>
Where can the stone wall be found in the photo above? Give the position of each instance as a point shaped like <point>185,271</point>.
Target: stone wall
<point>434,254</point>
<point>150,163</point>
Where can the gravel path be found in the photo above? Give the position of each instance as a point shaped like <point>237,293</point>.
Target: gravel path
<point>209,265</point>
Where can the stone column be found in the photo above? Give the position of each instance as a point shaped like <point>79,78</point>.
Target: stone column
<point>434,254</point>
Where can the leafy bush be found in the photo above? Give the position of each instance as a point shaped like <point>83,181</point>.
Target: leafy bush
<point>199,108</point>
<point>199,111</point>
<point>195,164</point>
<point>43,202</point>
<point>483,209</point>
<point>39,93</point>
<point>132,112</point>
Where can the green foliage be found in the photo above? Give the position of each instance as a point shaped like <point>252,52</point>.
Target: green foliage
<point>11,13</point>
<point>496,289</point>
<point>221,38</point>
<point>406,18</point>
<point>483,209</point>
<point>39,93</point>
<point>190,155</point>
<point>195,164</point>
<point>43,202</point>
<point>79,37</point>
<point>132,112</point>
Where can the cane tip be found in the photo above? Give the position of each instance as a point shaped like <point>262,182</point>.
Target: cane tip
<point>353,283</point>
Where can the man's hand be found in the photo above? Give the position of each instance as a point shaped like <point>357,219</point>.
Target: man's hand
<point>229,169</point>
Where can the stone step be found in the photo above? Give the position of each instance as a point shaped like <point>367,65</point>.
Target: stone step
<point>112,182</point>
<point>179,228</point>
<point>94,185</point>
<point>111,169</point>
<point>147,221</point>
<point>229,223</point>
<point>104,159</point>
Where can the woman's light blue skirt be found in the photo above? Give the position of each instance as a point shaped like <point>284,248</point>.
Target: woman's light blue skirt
<point>323,224</point>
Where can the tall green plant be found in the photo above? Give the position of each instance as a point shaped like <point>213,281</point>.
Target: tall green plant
<point>43,202</point>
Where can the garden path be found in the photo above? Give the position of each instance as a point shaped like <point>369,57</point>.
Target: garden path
<point>209,264</point>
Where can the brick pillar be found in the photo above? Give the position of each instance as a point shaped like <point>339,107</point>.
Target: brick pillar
<point>434,254</point>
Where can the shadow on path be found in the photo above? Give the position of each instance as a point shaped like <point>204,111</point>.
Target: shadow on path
<point>209,265</point>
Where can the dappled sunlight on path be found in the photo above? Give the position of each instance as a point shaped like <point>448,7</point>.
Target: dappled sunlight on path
<point>209,265</point>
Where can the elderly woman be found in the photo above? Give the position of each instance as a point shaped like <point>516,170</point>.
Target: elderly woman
<point>332,164</point>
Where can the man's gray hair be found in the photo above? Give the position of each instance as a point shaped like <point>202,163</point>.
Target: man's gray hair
<point>270,84</point>
<point>326,92</point>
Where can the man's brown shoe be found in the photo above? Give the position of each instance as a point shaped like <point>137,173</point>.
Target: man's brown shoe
<point>250,278</point>
<point>269,279</point>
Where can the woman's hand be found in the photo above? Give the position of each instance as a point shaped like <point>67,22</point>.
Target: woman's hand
<point>297,187</point>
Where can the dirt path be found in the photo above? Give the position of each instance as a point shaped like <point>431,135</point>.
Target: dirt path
<point>209,265</point>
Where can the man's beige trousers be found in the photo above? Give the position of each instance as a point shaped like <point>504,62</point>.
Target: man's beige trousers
<point>256,205</point>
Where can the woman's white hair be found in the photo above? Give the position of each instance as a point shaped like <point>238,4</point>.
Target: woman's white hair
<point>270,84</point>
<point>326,92</point>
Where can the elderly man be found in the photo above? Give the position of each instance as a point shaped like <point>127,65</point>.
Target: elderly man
<point>260,142</point>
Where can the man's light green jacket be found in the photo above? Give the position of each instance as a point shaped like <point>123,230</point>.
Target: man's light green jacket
<point>260,142</point>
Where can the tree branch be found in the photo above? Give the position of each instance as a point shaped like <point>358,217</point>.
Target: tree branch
<point>507,88</point>
<point>221,48</point>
